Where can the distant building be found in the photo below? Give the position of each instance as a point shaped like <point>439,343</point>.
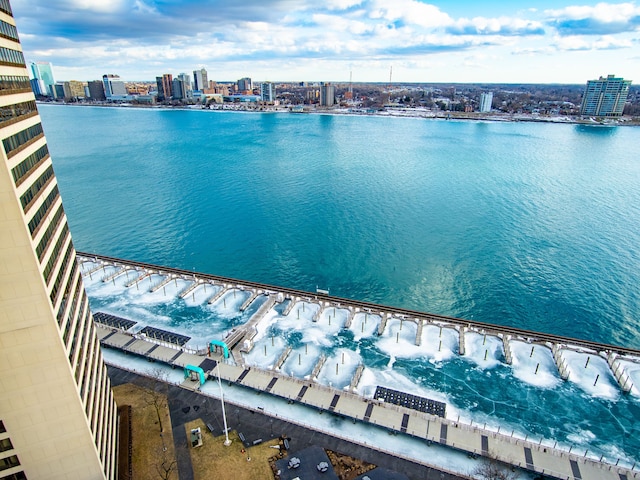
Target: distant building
<point>186,81</point>
<point>268,92</point>
<point>605,97</point>
<point>327,94</point>
<point>76,89</point>
<point>113,86</point>
<point>245,86</point>
<point>200,79</point>
<point>165,87</point>
<point>178,89</point>
<point>43,81</point>
<point>96,90</point>
<point>486,99</point>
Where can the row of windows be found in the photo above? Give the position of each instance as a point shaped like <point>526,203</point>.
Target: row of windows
<point>5,7</point>
<point>8,31</point>
<point>81,324</point>
<point>28,164</point>
<point>14,84</point>
<point>15,476</point>
<point>5,444</point>
<point>42,211</point>
<point>12,57</point>
<point>17,110</point>
<point>73,318</point>
<point>9,462</point>
<point>58,282</point>
<point>48,235</point>
<point>55,255</point>
<point>17,140</point>
<point>35,188</point>
<point>2,427</point>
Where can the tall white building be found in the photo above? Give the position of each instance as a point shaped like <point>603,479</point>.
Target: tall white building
<point>486,99</point>
<point>113,86</point>
<point>267,92</point>
<point>58,417</point>
<point>200,79</point>
<point>42,78</point>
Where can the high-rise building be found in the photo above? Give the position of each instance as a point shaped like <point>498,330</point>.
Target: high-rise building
<point>58,418</point>
<point>327,94</point>
<point>43,81</point>
<point>486,99</point>
<point>200,79</point>
<point>605,97</point>
<point>245,85</point>
<point>96,90</point>
<point>165,87</point>
<point>179,89</point>
<point>267,92</point>
<point>186,85</point>
<point>113,87</point>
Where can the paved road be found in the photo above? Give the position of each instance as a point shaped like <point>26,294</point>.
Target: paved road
<point>185,406</point>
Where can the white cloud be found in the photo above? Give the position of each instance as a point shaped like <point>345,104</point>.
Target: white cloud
<point>98,6</point>
<point>603,12</point>
<point>410,12</point>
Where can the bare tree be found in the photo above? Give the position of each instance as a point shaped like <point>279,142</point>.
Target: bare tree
<point>155,393</point>
<point>166,465</point>
<point>491,469</point>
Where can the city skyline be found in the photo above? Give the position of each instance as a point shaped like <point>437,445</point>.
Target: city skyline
<point>483,42</point>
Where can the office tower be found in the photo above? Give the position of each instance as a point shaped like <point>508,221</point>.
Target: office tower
<point>113,87</point>
<point>179,89</point>
<point>75,88</point>
<point>267,92</point>
<point>327,94</point>
<point>165,87</point>
<point>486,99</point>
<point>43,81</point>
<point>186,84</point>
<point>605,97</point>
<point>58,418</point>
<point>200,79</point>
<point>245,85</point>
<point>96,90</point>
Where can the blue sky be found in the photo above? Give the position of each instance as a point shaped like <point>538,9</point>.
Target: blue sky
<point>514,41</point>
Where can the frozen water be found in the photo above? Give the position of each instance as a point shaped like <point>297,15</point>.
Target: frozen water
<point>632,369</point>
<point>484,350</point>
<point>364,325</point>
<point>534,364</point>
<point>591,373</point>
<point>339,368</point>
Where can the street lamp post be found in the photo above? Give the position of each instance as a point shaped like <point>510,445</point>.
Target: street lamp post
<point>227,442</point>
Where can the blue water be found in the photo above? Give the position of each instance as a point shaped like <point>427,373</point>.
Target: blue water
<point>523,224</point>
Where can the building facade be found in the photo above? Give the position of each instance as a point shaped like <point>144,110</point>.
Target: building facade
<point>268,92</point>
<point>113,87</point>
<point>96,90</point>
<point>605,97</point>
<point>43,81</point>
<point>58,418</point>
<point>486,99</point>
<point>327,94</point>
<point>245,86</point>
<point>200,79</point>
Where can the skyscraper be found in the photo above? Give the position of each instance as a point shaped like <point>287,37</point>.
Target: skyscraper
<point>245,85</point>
<point>486,99</point>
<point>200,79</point>
<point>113,87</point>
<point>267,92</point>
<point>605,97</point>
<point>58,418</point>
<point>165,87</point>
<point>43,81</point>
<point>327,94</point>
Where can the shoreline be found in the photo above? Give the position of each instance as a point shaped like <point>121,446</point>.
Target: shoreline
<point>386,112</point>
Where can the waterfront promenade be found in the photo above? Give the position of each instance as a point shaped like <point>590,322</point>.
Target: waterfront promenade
<point>475,439</point>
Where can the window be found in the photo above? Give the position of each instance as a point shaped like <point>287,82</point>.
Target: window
<point>35,188</point>
<point>15,476</point>
<point>28,164</point>
<point>9,462</point>
<point>8,31</point>
<point>34,223</point>
<point>17,110</point>
<point>22,138</point>
<point>2,429</point>
<point>5,444</point>
<point>11,57</point>
<point>14,84</point>
<point>5,7</point>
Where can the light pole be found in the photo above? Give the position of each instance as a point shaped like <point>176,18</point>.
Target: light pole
<point>227,442</point>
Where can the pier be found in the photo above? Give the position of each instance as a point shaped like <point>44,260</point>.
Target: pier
<point>477,440</point>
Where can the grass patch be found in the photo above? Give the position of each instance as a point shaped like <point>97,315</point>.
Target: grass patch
<point>148,452</point>
<point>214,460</point>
